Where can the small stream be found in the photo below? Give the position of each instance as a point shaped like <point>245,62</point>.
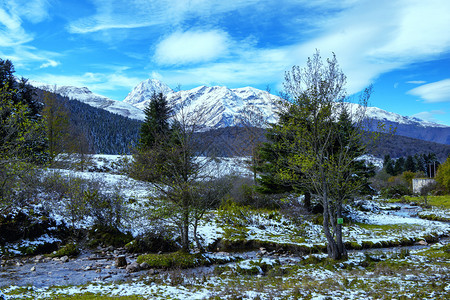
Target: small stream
<point>92,267</point>
<point>87,267</point>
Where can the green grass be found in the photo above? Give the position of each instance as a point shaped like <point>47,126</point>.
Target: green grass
<point>437,201</point>
<point>90,296</point>
<point>178,260</point>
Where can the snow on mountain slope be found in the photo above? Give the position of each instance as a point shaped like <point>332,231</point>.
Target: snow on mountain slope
<point>140,95</point>
<point>224,107</point>
<point>220,105</point>
<point>84,95</point>
<point>379,114</point>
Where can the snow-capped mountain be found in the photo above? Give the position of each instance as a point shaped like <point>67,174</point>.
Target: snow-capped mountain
<point>83,94</point>
<point>224,107</point>
<point>140,95</point>
<point>220,105</point>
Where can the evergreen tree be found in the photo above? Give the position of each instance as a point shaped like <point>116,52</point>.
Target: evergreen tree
<point>410,165</point>
<point>156,122</point>
<point>399,166</point>
<point>56,117</point>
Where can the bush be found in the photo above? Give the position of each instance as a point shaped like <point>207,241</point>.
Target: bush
<point>153,241</point>
<point>18,184</point>
<point>173,260</point>
<point>396,191</point>
<point>82,198</point>
<point>242,191</point>
<point>70,249</point>
<point>107,236</point>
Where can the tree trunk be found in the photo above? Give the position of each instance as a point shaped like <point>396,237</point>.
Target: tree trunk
<point>331,244</point>
<point>307,202</point>
<point>197,241</point>
<point>339,242</point>
<point>185,226</point>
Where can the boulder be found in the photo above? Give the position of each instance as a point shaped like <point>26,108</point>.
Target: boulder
<point>422,243</point>
<point>144,266</point>
<point>133,267</point>
<point>121,261</point>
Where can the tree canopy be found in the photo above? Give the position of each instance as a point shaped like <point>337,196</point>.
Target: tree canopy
<point>322,138</point>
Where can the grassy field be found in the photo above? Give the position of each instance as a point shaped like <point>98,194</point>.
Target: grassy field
<point>436,201</point>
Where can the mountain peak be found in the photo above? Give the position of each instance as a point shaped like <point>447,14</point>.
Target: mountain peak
<point>144,90</point>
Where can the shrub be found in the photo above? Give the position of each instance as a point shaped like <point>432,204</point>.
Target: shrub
<point>82,198</point>
<point>173,260</point>
<point>70,249</point>
<point>396,191</point>
<point>152,241</point>
<point>107,236</point>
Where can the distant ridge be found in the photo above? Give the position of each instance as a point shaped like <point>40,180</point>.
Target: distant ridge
<point>224,106</point>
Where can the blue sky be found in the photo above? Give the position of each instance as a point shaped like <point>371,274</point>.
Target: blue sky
<point>402,47</point>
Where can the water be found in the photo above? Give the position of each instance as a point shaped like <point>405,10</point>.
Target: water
<point>77,271</point>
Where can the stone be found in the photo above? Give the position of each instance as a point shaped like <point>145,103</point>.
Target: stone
<point>422,243</point>
<point>65,259</point>
<point>153,272</point>
<point>33,269</point>
<point>121,261</point>
<point>39,258</point>
<point>133,267</point>
<point>144,266</point>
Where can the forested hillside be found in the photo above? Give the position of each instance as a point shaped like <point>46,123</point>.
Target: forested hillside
<point>237,141</point>
<point>106,133</point>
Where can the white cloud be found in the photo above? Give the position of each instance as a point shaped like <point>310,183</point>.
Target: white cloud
<point>34,11</point>
<point>416,82</point>
<point>191,47</point>
<point>374,37</point>
<point>50,63</point>
<point>124,14</point>
<point>15,40</point>
<point>433,92</point>
<point>429,116</point>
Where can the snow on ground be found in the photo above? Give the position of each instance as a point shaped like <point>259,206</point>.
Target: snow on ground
<point>381,223</point>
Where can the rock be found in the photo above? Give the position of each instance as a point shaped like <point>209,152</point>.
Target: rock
<point>153,272</point>
<point>65,259</point>
<point>133,267</point>
<point>262,251</point>
<point>422,243</point>
<point>39,258</point>
<point>144,266</point>
<point>33,269</point>
<point>121,261</point>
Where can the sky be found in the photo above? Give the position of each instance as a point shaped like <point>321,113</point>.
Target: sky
<point>401,47</point>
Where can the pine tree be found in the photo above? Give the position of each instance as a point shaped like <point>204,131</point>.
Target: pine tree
<point>156,124</point>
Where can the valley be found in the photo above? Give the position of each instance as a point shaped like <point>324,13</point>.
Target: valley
<point>270,254</point>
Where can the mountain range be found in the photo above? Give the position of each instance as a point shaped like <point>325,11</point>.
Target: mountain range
<point>224,107</point>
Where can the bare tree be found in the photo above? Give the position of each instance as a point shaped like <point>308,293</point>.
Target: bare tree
<point>173,168</point>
